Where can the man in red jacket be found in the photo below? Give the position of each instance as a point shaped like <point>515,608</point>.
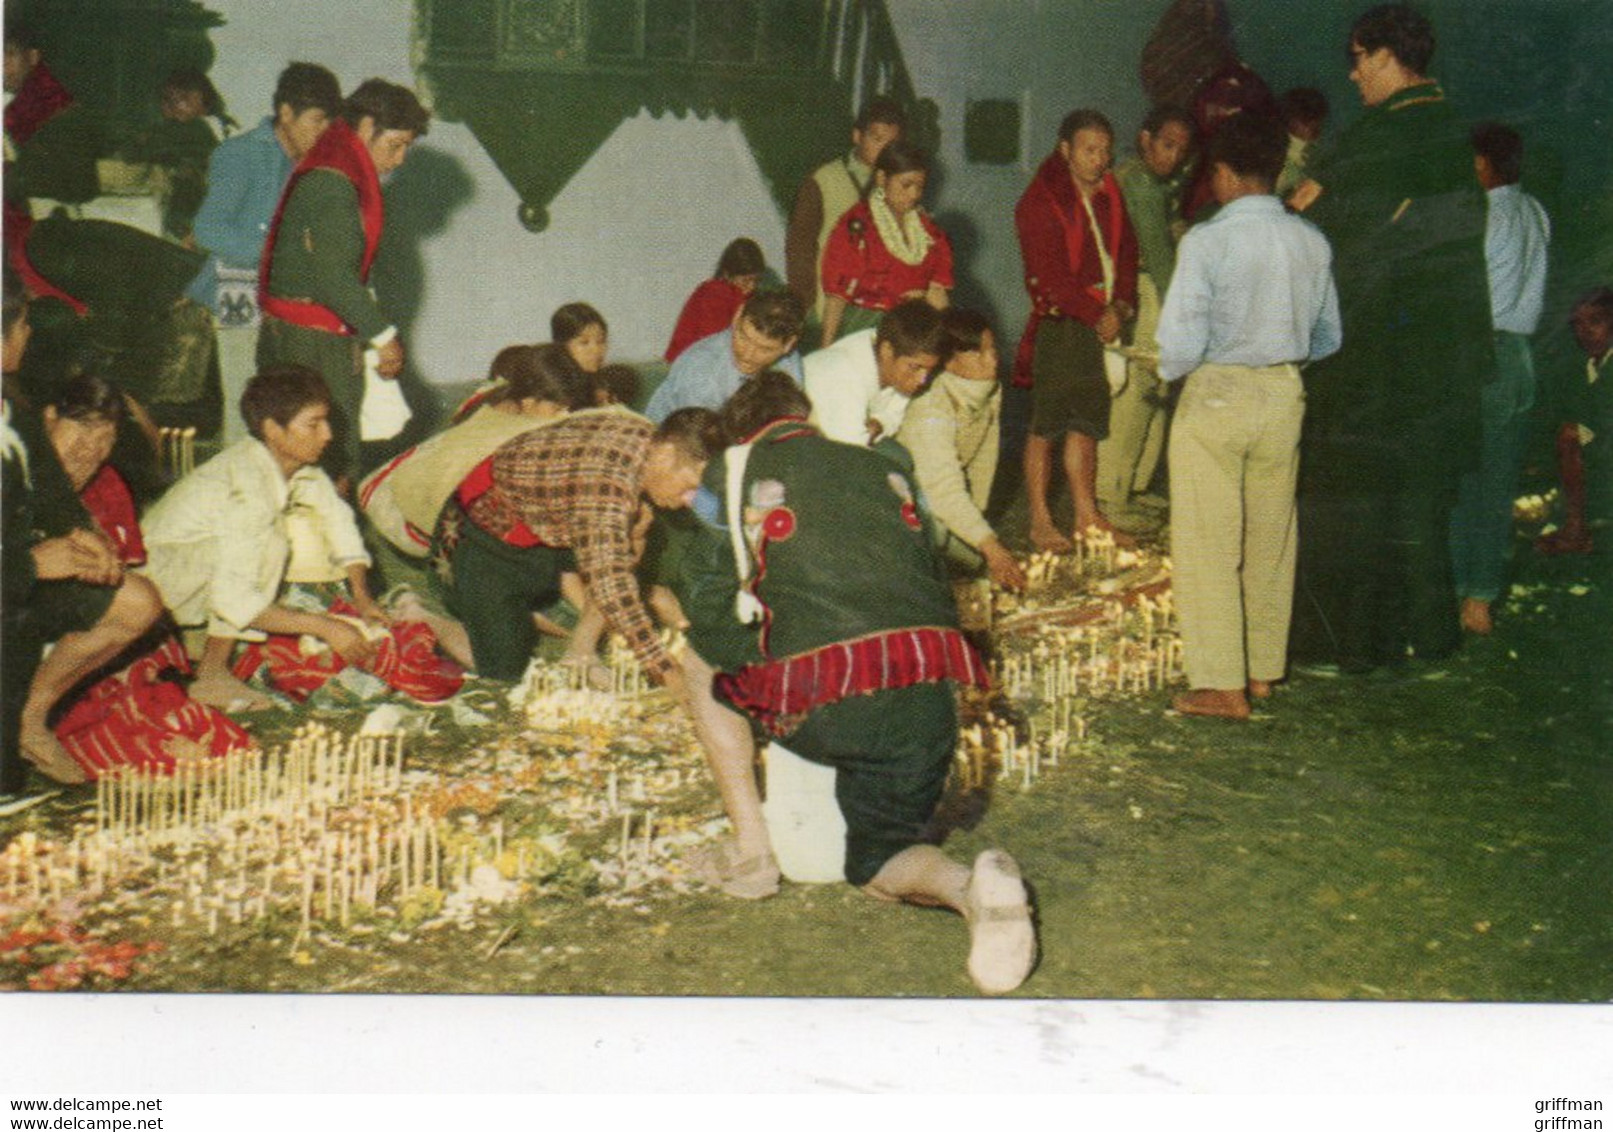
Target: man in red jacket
<point>1080,259</point>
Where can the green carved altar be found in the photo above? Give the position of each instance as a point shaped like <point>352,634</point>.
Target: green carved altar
<point>543,83</point>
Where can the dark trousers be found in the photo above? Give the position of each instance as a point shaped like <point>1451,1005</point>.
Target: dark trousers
<point>340,361</point>
<point>892,751</point>
<point>1374,578</point>
<point>493,588</point>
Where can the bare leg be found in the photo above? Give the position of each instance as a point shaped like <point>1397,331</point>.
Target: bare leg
<point>666,607</point>
<point>1574,537</point>
<point>135,607</point>
<point>1081,467</point>
<point>743,866</point>
<point>731,753</point>
<point>1038,476</point>
<point>217,686</point>
<point>1476,616</point>
<point>991,897</point>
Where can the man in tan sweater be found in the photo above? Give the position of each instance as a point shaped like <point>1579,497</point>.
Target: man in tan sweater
<point>953,431</point>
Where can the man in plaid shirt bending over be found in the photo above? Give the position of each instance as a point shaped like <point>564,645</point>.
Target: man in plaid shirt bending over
<point>571,496</point>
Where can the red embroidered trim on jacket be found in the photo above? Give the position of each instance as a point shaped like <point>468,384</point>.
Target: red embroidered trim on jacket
<point>780,694</point>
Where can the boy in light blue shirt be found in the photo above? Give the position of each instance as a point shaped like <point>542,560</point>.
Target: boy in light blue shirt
<point>1252,296</point>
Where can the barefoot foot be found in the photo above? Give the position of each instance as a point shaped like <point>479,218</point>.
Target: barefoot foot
<point>225,692</point>
<point>1259,689</point>
<point>49,757</point>
<point>1045,536</point>
<point>1217,702</point>
<point>1476,616</point>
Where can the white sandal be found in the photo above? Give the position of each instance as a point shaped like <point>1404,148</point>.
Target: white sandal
<point>1002,948</point>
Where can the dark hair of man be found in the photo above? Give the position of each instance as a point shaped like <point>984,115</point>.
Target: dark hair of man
<point>392,107</point>
<point>15,300</point>
<point>619,383</point>
<point>913,328</point>
<point>771,395</point>
<point>1254,146</point>
<point>278,393</point>
<point>571,320</point>
<point>88,397</point>
<point>741,257</point>
<point>776,314</point>
<point>1502,147</point>
<point>882,109</point>
<point>902,157</point>
<point>23,37</point>
<point>307,86</point>
<point>1405,31</point>
<point>964,329</point>
<point>1077,120</point>
<point>188,80</point>
<point>1304,104</point>
<point>1599,301</point>
<point>693,432</point>
<point>542,373</point>
<point>1163,115</point>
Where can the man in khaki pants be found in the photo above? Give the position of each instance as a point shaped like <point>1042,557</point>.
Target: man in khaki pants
<point>1151,183</point>
<point>1252,296</point>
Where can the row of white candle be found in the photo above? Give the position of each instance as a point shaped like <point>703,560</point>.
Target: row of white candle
<point>992,748</point>
<point>1130,668</point>
<point>316,765</point>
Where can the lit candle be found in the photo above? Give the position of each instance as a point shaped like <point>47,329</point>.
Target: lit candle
<point>432,854</point>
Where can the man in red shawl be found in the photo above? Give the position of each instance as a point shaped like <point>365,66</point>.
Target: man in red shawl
<point>1080,257</point>
<point>318,309</point>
